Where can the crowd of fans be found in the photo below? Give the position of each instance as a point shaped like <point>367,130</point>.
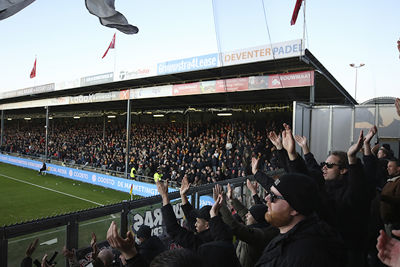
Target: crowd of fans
<point>211,152</point>
<point>344,211</point>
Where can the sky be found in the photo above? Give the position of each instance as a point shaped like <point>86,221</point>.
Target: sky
<point>69,42</point>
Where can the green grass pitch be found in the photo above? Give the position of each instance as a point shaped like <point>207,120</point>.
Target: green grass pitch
<point>25,196</point>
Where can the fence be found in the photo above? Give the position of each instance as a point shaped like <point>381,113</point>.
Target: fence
<point>74,230</point>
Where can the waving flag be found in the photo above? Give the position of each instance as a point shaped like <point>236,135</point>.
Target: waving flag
<point>296,11</point>
<point>111,46</point>
<point>109,17</point>
<point>33,72</point>
<point>9,8</point>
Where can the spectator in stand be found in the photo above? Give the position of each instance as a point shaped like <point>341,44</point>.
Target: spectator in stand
<point>390,197</point>
<point>255,235</point>
<point>149,246</point>
<point>345,190</point>
<point>304,239</point>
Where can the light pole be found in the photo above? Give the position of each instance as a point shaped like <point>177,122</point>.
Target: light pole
<point>356,67</point>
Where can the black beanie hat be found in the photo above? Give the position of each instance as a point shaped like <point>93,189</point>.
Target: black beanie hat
<point>144,232</point>
<point>300,191</point>
<point>203,213</point>
<point>258,212</point>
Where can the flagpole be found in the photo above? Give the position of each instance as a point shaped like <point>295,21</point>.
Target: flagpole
<point>115,60</point>
<point>304,24</point>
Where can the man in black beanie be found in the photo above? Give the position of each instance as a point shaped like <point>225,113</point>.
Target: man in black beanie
<point>304,239</point>
<point>149,246</point>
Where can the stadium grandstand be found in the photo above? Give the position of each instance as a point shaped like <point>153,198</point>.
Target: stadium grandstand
<point>126,130</point>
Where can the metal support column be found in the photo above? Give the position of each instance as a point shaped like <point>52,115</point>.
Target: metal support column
<point>330,130</point>
<point>312,94</point>
<point>2,128</point>
<point>128,135</point>
<point>47,132</point>
<point>72,236</point>
<point>124,219</point>
<point>3,248</point>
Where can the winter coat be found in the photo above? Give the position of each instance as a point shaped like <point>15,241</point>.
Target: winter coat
<point>309,243</point>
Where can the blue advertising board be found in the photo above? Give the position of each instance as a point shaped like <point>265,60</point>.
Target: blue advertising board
<point>108,181</point>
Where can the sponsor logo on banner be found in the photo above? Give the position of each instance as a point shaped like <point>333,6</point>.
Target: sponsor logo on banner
<point>262,53</point>
<point>258,82</point>
<point>188,64</point>
<point>233,85</point>
<point>67,84</point>
<point>150,92</point>
<point>134,74</point>
<point>97,79</point>
<point>99,97</point>
<point>186,89</point>
<point>45,88</point>
<point>124,94</point>
<point>295,79</point>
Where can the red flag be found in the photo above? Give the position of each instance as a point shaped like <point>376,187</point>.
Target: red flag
<point>296,11</point>
<point>111,46</point>
<point>33,72</point>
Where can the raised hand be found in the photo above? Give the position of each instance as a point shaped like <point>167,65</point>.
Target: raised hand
<point>288,142</point>
<point>31,248</point>
<point>185,185</point>
<point>229,192</point>
<point>69,254</point>
<point>252,187</point>
<point>216,206</point>
<point>125,245</point>
<point>217,190</point>
<point>162,188</point>
<point>302,142</point>
<point>371,133</point>
<point>254,165</point>
<point>44,262</point>
<point>93,244</point>
<point>275,140</point>
<point>389,249</point>
<point>351,153</point>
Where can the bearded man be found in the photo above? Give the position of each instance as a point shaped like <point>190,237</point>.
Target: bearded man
<point>304,240</point>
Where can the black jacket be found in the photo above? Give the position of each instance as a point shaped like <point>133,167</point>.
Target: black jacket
<point>151,247</point>
<point>309,243</point>
<point>182,236</point>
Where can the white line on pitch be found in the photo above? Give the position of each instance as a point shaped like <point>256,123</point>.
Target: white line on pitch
<point>22,181</point>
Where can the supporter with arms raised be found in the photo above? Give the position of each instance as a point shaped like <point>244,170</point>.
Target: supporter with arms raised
<point>255,235</point>
<point>345,191</point>
<point>186,238</point>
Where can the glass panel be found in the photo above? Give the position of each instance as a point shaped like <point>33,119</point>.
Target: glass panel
<point>150,215</point>
<point>99,226</point>
<point>341,128</point>
<point>319,133</point>
<point>389,122</point>
<point>49,241</point>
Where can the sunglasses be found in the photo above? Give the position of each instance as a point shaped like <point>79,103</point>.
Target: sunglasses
<point>328,165</point>
<point>273,197</point>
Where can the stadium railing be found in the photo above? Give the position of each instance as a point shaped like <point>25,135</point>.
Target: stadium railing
<point>70,223</point>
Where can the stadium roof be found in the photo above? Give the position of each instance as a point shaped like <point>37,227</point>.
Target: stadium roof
<point>327,89</point>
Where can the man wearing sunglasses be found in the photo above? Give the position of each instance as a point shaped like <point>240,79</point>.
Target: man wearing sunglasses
<point>304,239</point>
<point>345,190</point>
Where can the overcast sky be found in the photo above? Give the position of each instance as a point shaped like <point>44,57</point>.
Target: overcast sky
<point>69,42</point>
